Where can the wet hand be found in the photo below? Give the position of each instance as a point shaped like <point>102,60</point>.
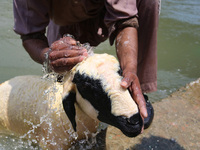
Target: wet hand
<point>65,54</point>
<point>131,81</point>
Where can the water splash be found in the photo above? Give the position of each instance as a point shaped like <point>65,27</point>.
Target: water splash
<point>15,143</point>
<point>28,140</point>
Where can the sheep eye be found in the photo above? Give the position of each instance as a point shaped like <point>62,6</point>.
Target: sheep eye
<point>120,72</point>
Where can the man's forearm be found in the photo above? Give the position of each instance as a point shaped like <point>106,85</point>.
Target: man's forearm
<point>127,49</point>
<point>127,52</point>
<point>36,49</point>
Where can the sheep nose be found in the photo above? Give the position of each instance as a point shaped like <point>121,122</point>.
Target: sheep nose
<point>135,119</point>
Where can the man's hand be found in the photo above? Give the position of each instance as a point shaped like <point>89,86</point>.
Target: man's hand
<point>131,82</point>
<point>65,54</point>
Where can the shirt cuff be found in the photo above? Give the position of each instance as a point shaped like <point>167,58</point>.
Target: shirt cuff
<point>36,35</point>
<point>116,27</point>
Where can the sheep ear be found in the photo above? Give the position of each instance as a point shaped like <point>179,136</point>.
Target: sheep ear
<point>68,105</point>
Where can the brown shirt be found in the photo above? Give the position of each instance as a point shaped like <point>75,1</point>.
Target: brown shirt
<point>94,21</point>
<point>90,21</point>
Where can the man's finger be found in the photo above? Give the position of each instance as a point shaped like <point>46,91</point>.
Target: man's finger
<point>67,54</point>
<point>62,62</point>
<point>65,42</point>
<point>138,96</point>
<point>69,40</point>
<point>126,81</point>
<point>139,99</point>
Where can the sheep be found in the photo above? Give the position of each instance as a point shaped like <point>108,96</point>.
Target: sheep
<point>49,113</point>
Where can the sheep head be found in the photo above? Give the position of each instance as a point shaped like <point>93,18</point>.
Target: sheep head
<point>99,94</point>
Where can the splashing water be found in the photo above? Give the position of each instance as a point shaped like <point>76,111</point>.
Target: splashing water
<point>28,140</point>
<point>50,99</point>
<point>51,76</point>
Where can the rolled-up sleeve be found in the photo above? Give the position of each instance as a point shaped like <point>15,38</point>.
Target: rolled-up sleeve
<point>30,16</point>
<point>120,14</point>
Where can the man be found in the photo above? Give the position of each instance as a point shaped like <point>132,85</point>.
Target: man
<point>131,23</point>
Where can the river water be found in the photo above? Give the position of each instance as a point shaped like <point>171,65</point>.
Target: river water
<point>178,47</point>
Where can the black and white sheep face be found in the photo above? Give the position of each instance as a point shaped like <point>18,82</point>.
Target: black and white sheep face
<point>97,83</point>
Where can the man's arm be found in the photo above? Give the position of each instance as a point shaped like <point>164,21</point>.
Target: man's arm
<point>127,52</point>
<point>36,48</point>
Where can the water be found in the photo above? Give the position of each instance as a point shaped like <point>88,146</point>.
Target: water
<point>178,51</point>
<point>178,46</point>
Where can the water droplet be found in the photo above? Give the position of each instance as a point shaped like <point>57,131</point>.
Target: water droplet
<point>173,140</point>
